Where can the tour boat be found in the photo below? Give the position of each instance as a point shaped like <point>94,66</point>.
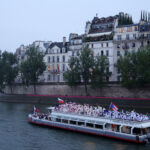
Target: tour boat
<point>131,130</point>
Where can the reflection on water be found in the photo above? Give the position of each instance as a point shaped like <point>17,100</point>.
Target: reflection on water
<point>90,145</point>
<point>119,146</point>
<point>17,134</point>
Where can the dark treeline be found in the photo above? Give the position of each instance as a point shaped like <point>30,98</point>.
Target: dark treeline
<point>29,70</point>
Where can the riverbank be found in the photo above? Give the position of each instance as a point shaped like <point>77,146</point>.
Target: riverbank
<point>111,90</point>
<point>131,103</point>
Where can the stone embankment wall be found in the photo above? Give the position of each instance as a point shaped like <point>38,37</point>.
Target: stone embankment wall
<point>113,90</point>
<point>48,94</point>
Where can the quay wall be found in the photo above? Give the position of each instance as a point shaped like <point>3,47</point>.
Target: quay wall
<point>113,90</point>
<point>48,94</point>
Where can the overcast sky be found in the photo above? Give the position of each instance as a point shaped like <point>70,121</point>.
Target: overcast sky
<point>24,21</point>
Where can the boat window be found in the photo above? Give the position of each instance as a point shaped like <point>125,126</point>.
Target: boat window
<point>108,126</point>
<point>89,125</point>
<point>115,128</point>
<point>98,126</point>
<point>138,131</point>
<point>81,123</point>
<point>58,120</point>
<point>148,130</point>
<point>126,129</point>
<point>64,121</point>
<point>72,122</point>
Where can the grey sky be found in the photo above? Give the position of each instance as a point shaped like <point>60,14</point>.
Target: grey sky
<point>24,21</point>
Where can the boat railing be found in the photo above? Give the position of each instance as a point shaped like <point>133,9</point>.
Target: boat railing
<point>111,120</point>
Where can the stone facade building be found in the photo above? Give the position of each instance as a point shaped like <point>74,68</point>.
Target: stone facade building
<point>110,36</point>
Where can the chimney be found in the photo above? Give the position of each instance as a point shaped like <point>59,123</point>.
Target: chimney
<point>64,41</point>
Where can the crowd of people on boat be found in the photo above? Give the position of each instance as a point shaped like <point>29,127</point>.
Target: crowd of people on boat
<point>40,115</point>
<point>134,116</point>
<point>98,111</point>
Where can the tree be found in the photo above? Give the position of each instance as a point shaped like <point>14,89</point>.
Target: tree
<point>86,65</point>
<point>127,67</point>
<point>72,75</point>
<point>100,72</point>
<point>134,68</point>
<point>9,69</point>
<point>1,73</point>
<point>32,67</point>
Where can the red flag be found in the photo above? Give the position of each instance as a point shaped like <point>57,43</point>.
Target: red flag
<point>60,101</point>
<point>35,109</point>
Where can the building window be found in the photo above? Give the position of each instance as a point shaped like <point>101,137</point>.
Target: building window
<point>127,37</point>
<point>58,51</point>
<point>136,28</point>
<point>64,67</point>
<point>49,77</point>
<point>107,70</point>
<point>53,77</point>
<point>49,59</point>
<point>118,78</point>
<point>63,50</point>
<point>119,37</point>
<point>107,44</point>
<point>57,58</point>
<point>142,44</point>
<point>92,46</point>
<point>133,44</point>
<point>49,68</point>
<point>58,78</point>
<point>58,68</point>
<point>118,70</point>
<point>129,29</point>
<point>107,53</point>
<point>102,45</point>
<point>63,77</point>
<point>148,42</point>
<point>102,53</point>
<point>118,53</point>
<point>53,59</point>
<point>148,36</point>
<point>63,58</point>
<point>134,36</point>
<point>118,45</point>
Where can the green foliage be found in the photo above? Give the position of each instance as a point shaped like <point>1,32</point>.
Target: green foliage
<point>134,67</point>
<point>32,67</point>
<point>72,75</point>
<point>125,19</point>
<point>9,68</point>
<point>86,64</point>
<point>86,68</point>
<point>100,72</point>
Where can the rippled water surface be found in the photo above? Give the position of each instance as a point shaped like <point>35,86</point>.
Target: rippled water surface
<point>17,134</point>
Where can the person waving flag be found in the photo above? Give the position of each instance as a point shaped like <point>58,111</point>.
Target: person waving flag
<point>113,107</point>
<point>35,109</point>
<point>60,101</point>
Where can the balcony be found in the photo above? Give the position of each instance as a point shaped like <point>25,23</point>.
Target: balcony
<point>100,38</point>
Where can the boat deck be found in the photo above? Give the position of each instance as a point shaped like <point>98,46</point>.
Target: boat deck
<point>101,119</point>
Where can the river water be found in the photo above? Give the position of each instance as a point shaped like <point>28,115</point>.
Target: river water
<point>17,134</point>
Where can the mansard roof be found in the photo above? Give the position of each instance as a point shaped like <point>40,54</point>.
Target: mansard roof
<point>103,20</point>
<point>58,44</point>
